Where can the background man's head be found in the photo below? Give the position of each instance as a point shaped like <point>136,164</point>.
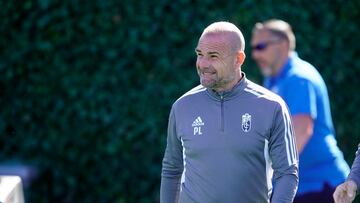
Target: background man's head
<point>272,42</point>
<point>220,54</point>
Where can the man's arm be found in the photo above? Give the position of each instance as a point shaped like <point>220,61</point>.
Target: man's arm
<point>283,154</point>
<point>346,192</point>
<point>301,99</point>
<point>355,169</point>
<point>172,165</point>
<point>303,128</point>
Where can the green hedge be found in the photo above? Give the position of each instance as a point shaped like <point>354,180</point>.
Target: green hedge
<point>86,86</point>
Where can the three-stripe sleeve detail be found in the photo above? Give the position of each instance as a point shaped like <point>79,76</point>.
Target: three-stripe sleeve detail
<point>184,162</point>
<point>291,152</point>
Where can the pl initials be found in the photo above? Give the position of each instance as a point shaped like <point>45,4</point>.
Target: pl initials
<point>197,130</point>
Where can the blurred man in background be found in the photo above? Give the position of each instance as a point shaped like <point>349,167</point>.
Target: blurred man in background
<point>346,192</point>
<point>322,166</point>
<point>228,136</point>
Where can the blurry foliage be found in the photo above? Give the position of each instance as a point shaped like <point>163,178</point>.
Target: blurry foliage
<point>86,86</point>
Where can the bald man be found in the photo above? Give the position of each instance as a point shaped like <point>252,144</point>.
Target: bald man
<point>228,137</point>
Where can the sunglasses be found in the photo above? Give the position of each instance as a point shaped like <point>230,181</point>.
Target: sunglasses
<point>263,45</point>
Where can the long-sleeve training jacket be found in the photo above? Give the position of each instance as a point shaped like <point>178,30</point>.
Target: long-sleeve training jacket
<point>355,170</point>
<point>226,148</point>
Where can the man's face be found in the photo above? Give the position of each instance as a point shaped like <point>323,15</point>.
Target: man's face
<point>266,52</point>
<point>215,62</point>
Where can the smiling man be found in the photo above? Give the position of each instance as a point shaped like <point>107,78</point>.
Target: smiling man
<point>228,137</point>
<point>322,165</point>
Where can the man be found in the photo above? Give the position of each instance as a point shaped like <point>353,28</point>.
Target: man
<point>322,166</point>
<point>346,192</point>
<point>226,135</point>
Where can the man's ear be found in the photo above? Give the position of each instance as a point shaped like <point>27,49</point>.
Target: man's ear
<point>285,45</point>
<point>240,58</point>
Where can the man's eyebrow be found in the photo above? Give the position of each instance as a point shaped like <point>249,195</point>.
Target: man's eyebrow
<point>210,52</point>
<point>213,52</point>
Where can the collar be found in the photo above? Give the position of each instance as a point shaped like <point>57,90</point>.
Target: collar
<point>228,95</point>
<point>272,80</point>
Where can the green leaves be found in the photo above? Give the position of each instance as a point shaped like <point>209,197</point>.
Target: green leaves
<point>86,87</point>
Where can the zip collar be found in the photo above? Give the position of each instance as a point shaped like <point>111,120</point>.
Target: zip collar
<point>228,95</point>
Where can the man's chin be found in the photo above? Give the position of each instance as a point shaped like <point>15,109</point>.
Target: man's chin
<point>266,72</point>
<point>207,84</point>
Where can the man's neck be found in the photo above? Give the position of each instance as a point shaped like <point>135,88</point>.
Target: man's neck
<point>229,86</point>
<point>281,65</point>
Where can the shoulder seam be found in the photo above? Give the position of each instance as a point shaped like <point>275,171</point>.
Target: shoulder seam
<point>193,91</point>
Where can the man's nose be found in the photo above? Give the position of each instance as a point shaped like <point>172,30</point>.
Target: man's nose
<point>203,62</point>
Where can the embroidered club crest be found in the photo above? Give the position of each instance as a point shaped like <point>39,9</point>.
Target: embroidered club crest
<point>246,122</point>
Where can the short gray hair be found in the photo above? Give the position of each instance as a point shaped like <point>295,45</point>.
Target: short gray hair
<point>278,28</point>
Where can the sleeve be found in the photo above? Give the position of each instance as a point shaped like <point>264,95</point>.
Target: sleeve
<point>301,97</point>
<point>172,165</point>
<point>355,169</point>
<point>284,157</point>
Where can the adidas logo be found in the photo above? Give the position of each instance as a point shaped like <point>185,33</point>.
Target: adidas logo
<point>197,122</point>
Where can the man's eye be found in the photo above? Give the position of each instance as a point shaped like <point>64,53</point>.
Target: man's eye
<point>213,56</point>
<point>198,54</point>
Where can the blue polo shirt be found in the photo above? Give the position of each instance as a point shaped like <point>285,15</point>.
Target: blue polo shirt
<point>305,92</point>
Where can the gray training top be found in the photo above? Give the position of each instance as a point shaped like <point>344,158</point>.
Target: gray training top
<point>225,148</point>
<point>355,170</point>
